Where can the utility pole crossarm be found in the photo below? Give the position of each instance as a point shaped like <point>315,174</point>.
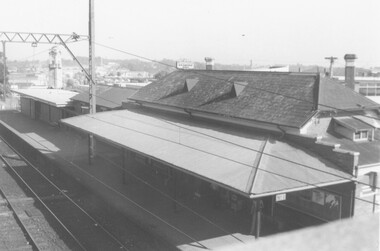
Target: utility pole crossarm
<point>40,38</point>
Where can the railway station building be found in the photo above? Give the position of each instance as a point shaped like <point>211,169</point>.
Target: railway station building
<point>278,151</point>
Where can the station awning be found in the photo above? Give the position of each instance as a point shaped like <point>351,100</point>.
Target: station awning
<point>250,163</point>
<point>53,97</point>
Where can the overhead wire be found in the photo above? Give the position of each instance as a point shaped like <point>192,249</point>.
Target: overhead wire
<point>322,188</point>
<point>65,195</point>
<point>145,58</point>
<point>274,156</point>
<point>231,142</point>
<point>245,147</point>
<point>119,193</point>
<point>221,156</point>
<point>238,162</point>
<point>42,202</point>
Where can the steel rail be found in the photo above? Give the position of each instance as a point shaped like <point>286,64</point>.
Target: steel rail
<point>122,246</point>
<point>11,206</point>
<point>34,243</point>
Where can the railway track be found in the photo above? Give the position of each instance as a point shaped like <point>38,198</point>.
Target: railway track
<point>52,214</point>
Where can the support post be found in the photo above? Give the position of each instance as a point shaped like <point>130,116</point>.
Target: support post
<point>256,209</point>
<point>5,91</point>
<point>91,81</point>
<point>90,151</point>
<point>92,87</point>
<point>123,163</point>
<point>258,221</point>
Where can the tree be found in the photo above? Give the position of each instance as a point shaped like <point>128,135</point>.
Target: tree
<point>160,74</point>
<point>2,90</point>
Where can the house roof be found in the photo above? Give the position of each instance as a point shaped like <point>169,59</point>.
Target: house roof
<point>264,96</point>
<point>54,97</point>
<point>353,123</point>
<point>335,96</point>
<point>239,159</point>
<point>280,98</point>
<point>369,150</point>
<point>110,97</point>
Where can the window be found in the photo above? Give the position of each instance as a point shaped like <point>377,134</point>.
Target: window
<point>361,135</point>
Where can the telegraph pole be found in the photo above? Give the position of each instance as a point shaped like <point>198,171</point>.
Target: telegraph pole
<point>91,62</point>
<point>91,81</point>
<point>5,91</point>
<point>332,60</point>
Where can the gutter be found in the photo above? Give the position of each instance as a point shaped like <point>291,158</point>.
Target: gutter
<point>254,196</point>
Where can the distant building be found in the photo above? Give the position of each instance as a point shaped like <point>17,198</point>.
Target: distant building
<point>55,68</point>
<point>27,80</point>
<point>185,64</point>
<point>368,86</point>
<point>274,68</point>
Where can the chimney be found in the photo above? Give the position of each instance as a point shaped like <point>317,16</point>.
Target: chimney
<point>209,63</point>
<point>349,73</point>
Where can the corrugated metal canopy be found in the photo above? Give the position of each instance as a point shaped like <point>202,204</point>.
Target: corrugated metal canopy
<point>218,154</point>
<point>54,97</point>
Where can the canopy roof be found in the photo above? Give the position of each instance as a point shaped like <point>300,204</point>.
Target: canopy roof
<point>54,97</point>
<point>242,160</point>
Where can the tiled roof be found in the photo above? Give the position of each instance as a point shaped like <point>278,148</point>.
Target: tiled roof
<point>332,95</point>
<point>279,98</point>
<point>288,99</point>
<point>110,97</point>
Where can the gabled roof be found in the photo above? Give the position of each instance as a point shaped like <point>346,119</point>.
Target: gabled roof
<point>278,98</point>
<point>332,95</point>
<point>110,97</point>
<point>249,162</point>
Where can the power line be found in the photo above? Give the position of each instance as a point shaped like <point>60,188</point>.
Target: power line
<point>43,203</point>
<point>118,192</point>
<point>235,161</point>
<point>156,216</point>
<point>112,189</point>
<point>224,157</point>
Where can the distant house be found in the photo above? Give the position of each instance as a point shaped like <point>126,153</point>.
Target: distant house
<point>266,145</point>
<point>107,98</point>
<point>27,80</point>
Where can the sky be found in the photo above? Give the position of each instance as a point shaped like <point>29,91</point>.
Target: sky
<point>231,31</point>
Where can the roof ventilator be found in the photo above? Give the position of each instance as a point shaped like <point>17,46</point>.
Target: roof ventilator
<point>190,83</point>
<point>239,87</point>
